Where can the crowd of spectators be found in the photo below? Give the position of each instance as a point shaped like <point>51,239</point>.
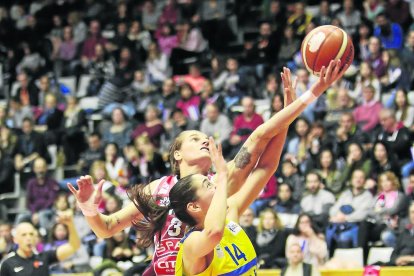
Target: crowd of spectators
<point>157,68</point>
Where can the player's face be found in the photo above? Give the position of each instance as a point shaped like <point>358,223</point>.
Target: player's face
<point>205,191</point>
<point>194,148</point>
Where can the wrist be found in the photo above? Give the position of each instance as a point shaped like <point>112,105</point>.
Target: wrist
<point>89,209</point>
<point>308,97</point>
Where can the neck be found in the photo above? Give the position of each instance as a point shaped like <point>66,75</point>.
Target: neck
<point>358,190</point>
<point>23,254</point>
<point>187,169</point>
<point>295,265</point>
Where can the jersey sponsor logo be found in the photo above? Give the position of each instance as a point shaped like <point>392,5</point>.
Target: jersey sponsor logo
<point>165,266</point>
<point>219,251</point>
<point>37,264</point>
<point>234,227</point>
<point>18,269</point>
<point>168,246</point>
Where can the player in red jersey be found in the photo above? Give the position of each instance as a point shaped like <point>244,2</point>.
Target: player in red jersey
<point>189,154</point>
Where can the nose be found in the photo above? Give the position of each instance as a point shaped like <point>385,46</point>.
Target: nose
<point>205,143</point>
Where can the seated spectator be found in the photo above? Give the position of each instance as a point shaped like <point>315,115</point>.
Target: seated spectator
<point>150,15</point>
<point>17,112</point>
<point>6,239</point>
<point>120,40</point>
<point>317,139</point>
<point>41,193</point>
<point>27,93</point>
<point>342,104</point>
<point>52,118</point>
<point>167,39</point>
<point>80,30</point>
<point>296,265</point>
<point>398,138</point>
<point>216,124</point>
<point>410,186</point>
<point>194,78</point>
<point>189,102</point>
<point>32,62</point>
<point>25,238</point>
<point>92,153</point>
<point>382,161</point>
<point>311,241</point>
<point>157,64</point>
<point>284,203</point>
<point>324,16</point>
<point>65,52</point>
<point>61,204</point>
<point>407,60</point>
<point>298,146</point>
<point>140,37</point>
<point>365,78</point>
<point>271,88</point>
<point>352,207</point>
<point>266,196</point>
<point>119,130</point>
<point>372,8</point>
<point>246,222</point>
<point>30,145</point>
<point>367,114</point>
<point>404,109</point>
<point>318,201</point>
<point>356,158</point>
<point>403,254</point>
<point>116,167</point>
<point>348,132</point>
<point>292,177</point>
<point>299,20</point>
<point>327,169</point>
<point>276,105</point>
<point>390,34</point>
<point>349,17</point>
<point>289,47</point>
<point>234,83</point>
<point>243,125</point>
<point>209,96</point>
<point>88,49</point>
<point>391,206</point>
<point>270,240</point>
<point>152,127</point>
<point>375,57</point>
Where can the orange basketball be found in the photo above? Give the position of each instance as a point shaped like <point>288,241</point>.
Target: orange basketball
<point>326,43</point>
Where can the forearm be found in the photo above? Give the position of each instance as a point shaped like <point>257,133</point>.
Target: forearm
<point>74,240</point>
<point>216,215</point>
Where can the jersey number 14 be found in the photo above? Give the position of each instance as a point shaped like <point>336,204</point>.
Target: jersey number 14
<point>236,254</point>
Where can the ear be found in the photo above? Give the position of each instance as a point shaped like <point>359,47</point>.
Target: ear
<point>177,155</point>
<point>193,207</point>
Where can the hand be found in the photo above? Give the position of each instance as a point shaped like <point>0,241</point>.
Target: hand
<point>289,88</point>
<point>217,157</point>
<point>235,140</point>
<point>403,260</point>
<point>327,77</point>
<point>308,231</point>
<point>86,190</point>
<point>65,217</point>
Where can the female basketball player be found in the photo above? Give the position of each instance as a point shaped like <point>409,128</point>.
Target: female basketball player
<point>189,154</point>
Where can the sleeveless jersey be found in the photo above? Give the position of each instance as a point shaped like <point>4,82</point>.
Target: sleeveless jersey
<point>166,242</point>
<point>233,256</point>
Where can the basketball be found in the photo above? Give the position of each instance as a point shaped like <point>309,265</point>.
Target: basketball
<point>326,43</point>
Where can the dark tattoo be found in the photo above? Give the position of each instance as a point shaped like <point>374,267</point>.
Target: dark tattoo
<point>117,220</point>
<point>107,222</point>
<point>242,158</point>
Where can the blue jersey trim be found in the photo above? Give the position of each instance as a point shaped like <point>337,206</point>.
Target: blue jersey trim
<point>242,269</point>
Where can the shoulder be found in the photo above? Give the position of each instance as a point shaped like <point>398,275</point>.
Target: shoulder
<point>8,257</point>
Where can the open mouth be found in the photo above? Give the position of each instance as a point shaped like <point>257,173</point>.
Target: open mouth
<point>205,148</point>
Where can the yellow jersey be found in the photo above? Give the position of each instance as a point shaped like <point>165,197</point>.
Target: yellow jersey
<point>233,256</point>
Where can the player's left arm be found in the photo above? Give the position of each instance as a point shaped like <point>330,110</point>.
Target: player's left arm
<point>66,250</point>
<point>252,149</point>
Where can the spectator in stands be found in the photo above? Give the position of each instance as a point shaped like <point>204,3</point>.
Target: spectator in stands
<point>353,206</point>
<point>234,84</point>
<point>367,114</point>
<point>140,37</point>
<point>41,193</point>
<point>101,68</point>
<point>285,203</point>
<point>243,126</point>
<point>356,158</point>
<point>193,78</point>
<point>6,239</point>
<point>318,201</point>
<point>311,241</point>
<point>399,12</point>
<point>324,16</point>
<point>343,104</point>
<point>150,16</point>
<point>119,130</point>
<point>167,39</point>
<point>365,78</point>
<point>32,62</point>
<point>209,96</point>
<point>375,57</point>
<point>266,196</point>
<point>157,64</point>
<point>296,266</point>
<point>17,112</point>
<point>64,53</point>
<point>404,109</point>
<point>80,30</point>
<point>246,222</point>
<point>391,205</point>
<point>390,34</point>
<point>410,186</point>
<point>270,240</point>
<point>189,102</point>
<point>398,138</point>
<point>169,99</point>
<point>94,38</point>
<point>276,105</point>
<point>288,48</point>
<point>61,204</point>
<point>372,8</point>
<point>216,124</point>
<point>30,145</point>
<point>8,142</point>
<point>152,127</point>
<point>350,17</point>
<point>327,169</point>
<point>6,172</point>
<point>299,20</point>
<point>383,160</point>
<point>24,259</point>
<point>292,177</point>
<point>403,254</point>
<point>92,153</point>
<point>361,41</point>
<point>120,40</point>
<point>27,93</point>
<point>116,165</point>
<point>407,59</point>
<point>298,146</point>
<point>46,88</point>
<point>52,118</point>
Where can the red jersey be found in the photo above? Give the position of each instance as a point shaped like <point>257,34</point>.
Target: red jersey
<point>167,242</point>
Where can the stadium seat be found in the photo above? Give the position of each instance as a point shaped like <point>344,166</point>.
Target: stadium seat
<point>354,255</point>
<point>15,86</point>
<point>288,220</point>
<point>83,86</point>
<point>89,103</point>
<point>69,82</point>
<point>410,97</point>
<point>379,254</point>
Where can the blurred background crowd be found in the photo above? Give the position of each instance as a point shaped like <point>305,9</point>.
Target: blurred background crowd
<point>103,87</point>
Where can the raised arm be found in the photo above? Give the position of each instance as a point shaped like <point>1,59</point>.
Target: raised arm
<point>200,243</point>
<point>246,159</point>
<point>66,250</point>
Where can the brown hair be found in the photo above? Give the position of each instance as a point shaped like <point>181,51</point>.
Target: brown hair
<point>278,223</point>
<point>392,177</point>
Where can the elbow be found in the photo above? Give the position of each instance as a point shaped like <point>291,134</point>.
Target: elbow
<point>103,234</point>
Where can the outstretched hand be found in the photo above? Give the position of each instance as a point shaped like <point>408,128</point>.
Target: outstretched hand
<point>328,76</point>
<point>289,87</point>
<point>86,190</point>
<point>217,156</point>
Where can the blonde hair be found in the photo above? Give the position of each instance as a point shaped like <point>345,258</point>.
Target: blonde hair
<point>278,223</point>
<point>391,177</point>
<point>98,164</point>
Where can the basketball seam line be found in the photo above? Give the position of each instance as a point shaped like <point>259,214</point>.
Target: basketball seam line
<point>320,47</point>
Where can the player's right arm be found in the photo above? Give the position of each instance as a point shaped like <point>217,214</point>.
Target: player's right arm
<point>102,225</point>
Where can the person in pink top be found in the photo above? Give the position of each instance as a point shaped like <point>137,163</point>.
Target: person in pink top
<point>367,114</point>
<point>189,102</point>
<point>194,78</point>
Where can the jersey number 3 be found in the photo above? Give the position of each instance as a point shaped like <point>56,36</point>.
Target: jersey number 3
<point>236,254</point>
<point>175,227</point>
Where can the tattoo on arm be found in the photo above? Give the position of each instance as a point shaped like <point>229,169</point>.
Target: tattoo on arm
<point>242,158</point>
<point>107,222</point>
<point>117,220</point>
